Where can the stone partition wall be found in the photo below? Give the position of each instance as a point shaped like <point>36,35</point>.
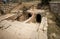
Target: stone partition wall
<point>55,8</point>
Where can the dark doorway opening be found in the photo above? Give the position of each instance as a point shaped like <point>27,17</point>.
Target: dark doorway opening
<point>29,14</point>
<point>38,18</point>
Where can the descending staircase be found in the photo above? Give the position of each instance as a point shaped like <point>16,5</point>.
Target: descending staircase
<point>21,30</point>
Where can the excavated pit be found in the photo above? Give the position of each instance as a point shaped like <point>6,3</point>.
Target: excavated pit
<point>23,17</point>
<point>16,25</point>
